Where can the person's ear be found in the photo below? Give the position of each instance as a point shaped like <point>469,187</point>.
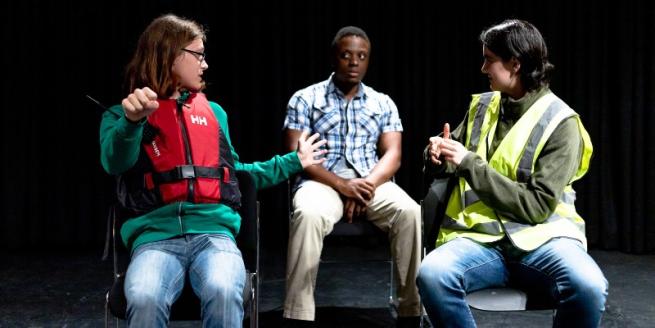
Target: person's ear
<point>516,65</point>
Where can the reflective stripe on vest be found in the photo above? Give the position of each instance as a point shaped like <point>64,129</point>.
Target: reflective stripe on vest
<point>470,197</point>
<point>483,103</point>
<point>494,227</point>
<point>524,170</point>
<point>467,216</point>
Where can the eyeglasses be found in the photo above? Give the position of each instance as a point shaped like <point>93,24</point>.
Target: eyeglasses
<point>199,55</point>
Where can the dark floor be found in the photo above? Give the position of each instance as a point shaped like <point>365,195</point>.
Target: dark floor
<point>67,290</point>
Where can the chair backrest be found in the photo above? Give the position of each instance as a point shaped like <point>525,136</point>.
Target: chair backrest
<point>187,306</point>
<point>433,207</point>
<point>248,237</point>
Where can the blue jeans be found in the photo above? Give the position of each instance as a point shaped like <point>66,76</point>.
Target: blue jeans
<point>156,274</point>
<point>560,269</point>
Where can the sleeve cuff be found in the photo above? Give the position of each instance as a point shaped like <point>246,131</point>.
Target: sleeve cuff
<point>295,126</point>
<point>467,162</point>
<point>296,166</point>
<point>128,129</point>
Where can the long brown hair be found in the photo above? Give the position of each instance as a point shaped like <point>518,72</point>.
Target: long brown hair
<point>156,50</point>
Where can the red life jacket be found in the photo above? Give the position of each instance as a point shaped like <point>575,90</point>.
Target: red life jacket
<point>184,156</point>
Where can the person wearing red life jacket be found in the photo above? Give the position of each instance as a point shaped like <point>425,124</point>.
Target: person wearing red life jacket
<point>170,149</point>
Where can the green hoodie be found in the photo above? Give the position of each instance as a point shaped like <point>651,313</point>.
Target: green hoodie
<point>120,144</point>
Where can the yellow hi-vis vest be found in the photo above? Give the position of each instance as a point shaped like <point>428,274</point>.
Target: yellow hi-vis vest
<point>467,216</point>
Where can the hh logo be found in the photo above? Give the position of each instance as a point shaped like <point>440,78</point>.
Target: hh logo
<point>200,120</point>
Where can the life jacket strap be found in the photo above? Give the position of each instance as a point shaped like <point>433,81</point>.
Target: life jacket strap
<point>188,172</point>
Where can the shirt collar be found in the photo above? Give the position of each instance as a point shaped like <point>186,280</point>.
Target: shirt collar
<point>515,108</point>
<point>332,88</point>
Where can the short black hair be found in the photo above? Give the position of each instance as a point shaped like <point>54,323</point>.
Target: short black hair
<point>348,31</point>
<point>521,40</point>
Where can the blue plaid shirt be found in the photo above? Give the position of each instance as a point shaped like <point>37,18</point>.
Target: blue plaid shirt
<point>352,129</point>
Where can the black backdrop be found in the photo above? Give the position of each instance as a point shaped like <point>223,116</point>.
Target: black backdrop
<point>427,58</point>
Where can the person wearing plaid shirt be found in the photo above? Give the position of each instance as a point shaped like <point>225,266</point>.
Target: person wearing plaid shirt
<point>363,133</point>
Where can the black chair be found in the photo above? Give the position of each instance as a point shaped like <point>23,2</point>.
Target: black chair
<point>433,208</point>
<point>362,234</point>
<point>187,306</point>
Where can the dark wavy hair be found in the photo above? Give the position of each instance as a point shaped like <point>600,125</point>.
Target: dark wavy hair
<point>159,45</point>
<point>521,40</point>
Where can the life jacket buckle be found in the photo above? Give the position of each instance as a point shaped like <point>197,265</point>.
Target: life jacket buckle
<point>186,171</point>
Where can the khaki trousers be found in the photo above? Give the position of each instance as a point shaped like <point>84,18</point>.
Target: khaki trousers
<point>316,208</point>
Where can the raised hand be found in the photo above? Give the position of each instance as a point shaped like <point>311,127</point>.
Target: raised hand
<point>453,151</point>
<point>435,144</point>
<point>307,149</point>
<point>140,104</point>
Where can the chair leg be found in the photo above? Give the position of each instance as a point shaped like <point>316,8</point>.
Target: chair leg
<point>425,320</point>
<point>107,310</point>
<point>393,309</point>
<point>554,314</point>
<point>254,301</point>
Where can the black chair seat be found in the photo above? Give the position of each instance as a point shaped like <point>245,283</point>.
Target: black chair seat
<point>358,227</point>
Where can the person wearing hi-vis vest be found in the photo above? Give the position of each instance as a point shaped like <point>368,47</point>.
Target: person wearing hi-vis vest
<point>510,217</point>
<point>171,151</point>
